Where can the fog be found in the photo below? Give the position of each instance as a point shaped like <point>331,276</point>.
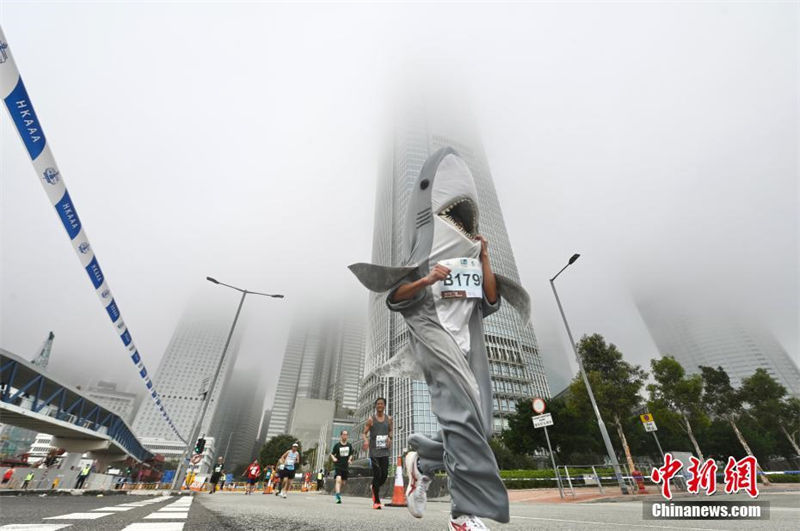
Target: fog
<point>243,141</point>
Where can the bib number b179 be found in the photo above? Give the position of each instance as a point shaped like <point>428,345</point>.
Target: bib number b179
<point>465,280</point>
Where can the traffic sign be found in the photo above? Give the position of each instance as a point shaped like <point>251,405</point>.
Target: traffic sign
<point>649,422</point>
<point>538,405</point>
<point>540,421</point>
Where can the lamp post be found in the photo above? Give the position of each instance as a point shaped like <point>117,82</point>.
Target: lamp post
<point>609,449</point>
<point>210,393</point>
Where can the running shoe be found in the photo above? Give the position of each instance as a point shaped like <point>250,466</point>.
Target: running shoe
<point>467,523</point>
<point>338,498</point>
<point>417,490</point>
<point>283,494</point>
<point>377,506</point>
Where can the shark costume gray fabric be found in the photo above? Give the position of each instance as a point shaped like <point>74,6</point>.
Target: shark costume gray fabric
<point>447,343</point>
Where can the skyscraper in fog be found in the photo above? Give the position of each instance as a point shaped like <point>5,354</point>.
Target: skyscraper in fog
<point>515,362</point>
<point>324,360</point>
<point>187,366</point>
<point>695,334</point>
<point>238,416</point>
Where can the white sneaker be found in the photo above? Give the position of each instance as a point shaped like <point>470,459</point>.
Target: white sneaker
<point>417,490</point>
<point>467,523</point>
<point>282,494</point>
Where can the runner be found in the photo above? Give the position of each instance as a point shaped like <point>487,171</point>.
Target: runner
<point>253,473</point>
<point>377,437</point>
<point>290,459</point>
<point>216,473</point>
<point>342,455</point>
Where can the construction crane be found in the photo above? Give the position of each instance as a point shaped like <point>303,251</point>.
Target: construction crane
<point>43,358</point>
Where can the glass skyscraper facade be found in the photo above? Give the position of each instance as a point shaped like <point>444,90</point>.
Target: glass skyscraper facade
<point>515,362</point>
<point>324,360</point>
<point>188,364</point>
<point>696,334</point>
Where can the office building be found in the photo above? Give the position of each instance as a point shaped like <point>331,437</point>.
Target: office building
<point>697,333</point>
<point>323,360</point>
<point>185,373</point>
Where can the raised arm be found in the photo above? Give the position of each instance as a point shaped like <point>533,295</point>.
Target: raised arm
<point>489,280</point>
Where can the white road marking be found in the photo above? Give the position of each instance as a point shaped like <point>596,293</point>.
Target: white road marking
<point>33,527</point>
<point>155,526</point>
<point>158,515</point>
<point>78,516</point>
<point>115,508</point>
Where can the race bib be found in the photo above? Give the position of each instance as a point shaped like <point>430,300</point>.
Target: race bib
<point>465,280</point>
<point>344,451</point>
<point>380,441</point>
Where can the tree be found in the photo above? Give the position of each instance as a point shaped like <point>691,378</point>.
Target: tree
<point>274,448</point>
<point>789,412</point>
<point>615,383</point>
<point>723,401</point>
<point>679,393</point>
<point>769,406</point>
<point>574,437</point>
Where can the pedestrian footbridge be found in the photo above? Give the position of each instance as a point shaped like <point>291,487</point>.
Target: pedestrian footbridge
<point>32,399</point>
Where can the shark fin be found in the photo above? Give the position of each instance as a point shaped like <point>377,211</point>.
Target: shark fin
<point>515,295</point>
<point>379,278</point>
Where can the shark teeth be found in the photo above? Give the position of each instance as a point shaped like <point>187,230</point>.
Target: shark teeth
<point>445,214</point>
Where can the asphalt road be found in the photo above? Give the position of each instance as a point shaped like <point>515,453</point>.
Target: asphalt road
<point>84,513</point>
<point>313,511</point>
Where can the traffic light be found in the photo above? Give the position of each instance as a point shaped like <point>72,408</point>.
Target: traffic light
<point>199,445</point>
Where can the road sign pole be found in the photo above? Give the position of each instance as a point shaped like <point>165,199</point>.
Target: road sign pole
<point>658,444</point>
<point>553,460</point>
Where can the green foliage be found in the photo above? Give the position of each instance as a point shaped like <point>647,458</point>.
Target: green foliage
<point>760,409</point>
<point>506,458</point>
<point>274,448</point>
<point>575,436</point>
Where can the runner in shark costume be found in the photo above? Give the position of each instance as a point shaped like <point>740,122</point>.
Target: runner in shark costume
<point>447,342</point>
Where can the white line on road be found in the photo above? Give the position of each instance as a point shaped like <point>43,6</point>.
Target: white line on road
<point>115,508</point>
<point>158,515</point>
<point>155,526</point>
<point>78,516</point>
<point>33,527</point>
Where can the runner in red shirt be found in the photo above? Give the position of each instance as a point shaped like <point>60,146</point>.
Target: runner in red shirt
<point>253,473</point>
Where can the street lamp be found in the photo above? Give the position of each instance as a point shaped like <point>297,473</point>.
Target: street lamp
<point>609,449</point>
<point>210,391</point>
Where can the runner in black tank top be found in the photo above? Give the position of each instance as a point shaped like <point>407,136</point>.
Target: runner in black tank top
<point>377,438</point>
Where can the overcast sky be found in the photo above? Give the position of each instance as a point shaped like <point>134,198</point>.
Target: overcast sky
<point>243,141</point>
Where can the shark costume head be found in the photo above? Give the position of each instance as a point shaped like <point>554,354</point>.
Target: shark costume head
<point>446,342</point>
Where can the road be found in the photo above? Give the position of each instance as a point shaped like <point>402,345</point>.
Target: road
<point>311,512</point>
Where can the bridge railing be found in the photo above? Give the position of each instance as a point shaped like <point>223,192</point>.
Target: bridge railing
<point>24,385</point>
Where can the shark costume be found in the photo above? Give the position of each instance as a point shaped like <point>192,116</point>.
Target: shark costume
<point>445,324</point>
